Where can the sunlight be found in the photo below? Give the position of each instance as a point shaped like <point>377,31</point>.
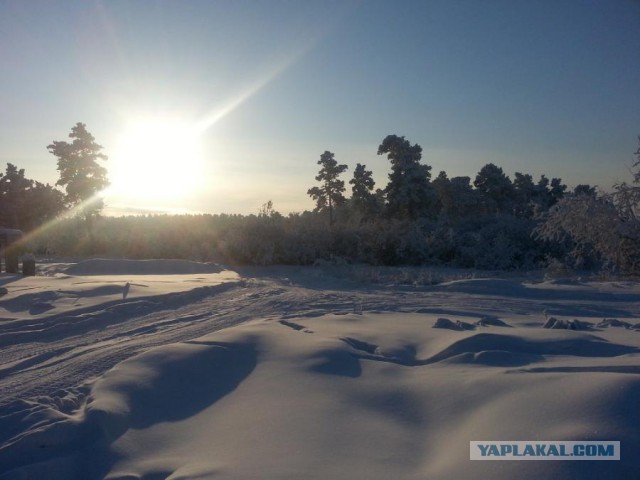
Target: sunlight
<point>275,69</point>
<point>156,159</point>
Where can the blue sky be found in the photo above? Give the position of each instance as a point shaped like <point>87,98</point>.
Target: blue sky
<point>538,87</point>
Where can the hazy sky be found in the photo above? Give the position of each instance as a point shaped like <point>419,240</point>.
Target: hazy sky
<point>536,86</point>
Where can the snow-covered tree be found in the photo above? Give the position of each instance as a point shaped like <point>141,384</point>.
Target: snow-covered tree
<point>627,196</point>
<point>331,192</point>
<point>596,232</point>
<point>409,192</point>
<point>363,197</point>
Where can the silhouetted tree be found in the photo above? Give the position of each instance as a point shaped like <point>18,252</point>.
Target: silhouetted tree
<point>585,189</point>
<point>441,186</point>
<point>42,204</point>
<point>80,173</point>
<point>13,187</point>
<point>557,191</point>
<point>409,193</point>
<point>267,210</point>
<point>363,198</point>
<point>532,199</point>
<point>456,198</point>
<point>330,193</point>
<point>495,188</point>
<point>25,203</point>
<point>525,191</point>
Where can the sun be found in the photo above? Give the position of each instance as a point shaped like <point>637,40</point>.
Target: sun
<point>157,160</point>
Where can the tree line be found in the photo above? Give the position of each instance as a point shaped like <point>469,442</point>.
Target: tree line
<point>489,222</point>
<point>411,194</point>
<point>492,222</point>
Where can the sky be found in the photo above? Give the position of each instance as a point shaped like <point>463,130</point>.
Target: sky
<point>265,87</point>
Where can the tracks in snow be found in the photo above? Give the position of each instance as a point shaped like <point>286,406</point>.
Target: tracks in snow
<point>56,353</point>
<point>42,356</point>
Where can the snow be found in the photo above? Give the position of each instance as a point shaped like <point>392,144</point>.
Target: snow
<point>202,372</point>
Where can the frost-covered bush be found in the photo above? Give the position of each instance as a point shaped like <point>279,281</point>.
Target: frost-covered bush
<point>602,231</point>
<point>298,239</point>
<point>392,242</point>
<point>255,240</point>
<point>497,242</point>
<point>141,237</point>
<point>596,232</point>
<point>306,239</point>
<point>442,244</point>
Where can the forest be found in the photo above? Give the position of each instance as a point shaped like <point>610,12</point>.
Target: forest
<point>489,221</point>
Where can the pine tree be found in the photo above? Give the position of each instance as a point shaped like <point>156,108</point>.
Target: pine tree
<point>80,173</point>
<point>409,192</point>
<point>363,197</point>
<point>330,193</point>
<point>495,188</point>
<point>13,186</point>
<point>25,203</point>
<point>455,198</point>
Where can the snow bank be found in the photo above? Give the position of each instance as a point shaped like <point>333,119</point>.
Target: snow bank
<point>99,285</point>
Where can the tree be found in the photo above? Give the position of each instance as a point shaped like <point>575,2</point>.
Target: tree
<point>557,190</point>
<point>13,186</point>
<point>595,230</point>
<point>25,203</point>
<point>605,227</point>
<point>495,188</point>
<point>330,193</point>
<point>442,187</point>
<point>456,198</point>
<point>43,203</point>
<point>80,173</point>
<point>525,191</point>
<point>626,196</point>
<point>409,193</point>
<point>363,197</point>
<point>585,189</point>
<point>533,199</point>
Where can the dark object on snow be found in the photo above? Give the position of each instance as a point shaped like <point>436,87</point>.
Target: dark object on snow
<point>561,324</point>
<point>28,266</point>
<point>13,261</point>
<point>613,322</point>
<point>457,325</point>
<point>9,236</point>
<point>491,322</point>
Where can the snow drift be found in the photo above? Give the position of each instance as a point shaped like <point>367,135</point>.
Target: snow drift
<point>306,388</point>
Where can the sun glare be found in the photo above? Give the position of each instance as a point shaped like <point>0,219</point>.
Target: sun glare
<point>156,160</point>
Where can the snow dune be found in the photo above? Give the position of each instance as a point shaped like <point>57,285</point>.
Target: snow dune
<point>303,385</point>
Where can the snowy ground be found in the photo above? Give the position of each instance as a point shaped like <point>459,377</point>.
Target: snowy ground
<point>176,370</point>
